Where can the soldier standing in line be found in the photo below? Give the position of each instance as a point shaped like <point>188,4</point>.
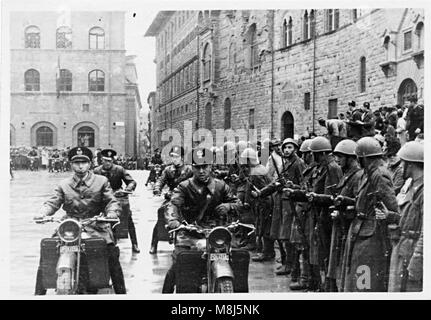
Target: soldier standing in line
<point>367,250</point>
<point>116,176</point>
<point>342,214</point>
<point>326,176</point>
<point>406,268</point>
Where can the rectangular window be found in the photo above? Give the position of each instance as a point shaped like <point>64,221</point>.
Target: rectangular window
<point>407,40</point>
<point>251,119</point>
<point>332,108</point>
<point>85,107</point>
<point>307,101</point>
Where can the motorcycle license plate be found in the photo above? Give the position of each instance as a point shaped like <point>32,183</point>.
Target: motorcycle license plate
<point>219,256</point>
<point>69,249</point>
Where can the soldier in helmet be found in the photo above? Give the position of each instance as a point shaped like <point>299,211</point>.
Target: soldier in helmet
<point>171,176</point>
<point>326,177</point>
<point>367,247</point>
<point>261,208</point>
<point>406,267</point>
<point>345,156</point>
<point>199,199</point>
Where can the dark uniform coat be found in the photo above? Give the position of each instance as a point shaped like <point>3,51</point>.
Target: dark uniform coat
<point>192,201</point>
<point>116,175</point>
<point>325,179</point>
<point>348,187</point>
<point>407,254</point>
<point>172,176</point>
<point>85,199</point>
<point>367,248</point>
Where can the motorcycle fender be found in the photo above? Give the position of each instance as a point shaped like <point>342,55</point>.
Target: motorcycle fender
<point>222,269</point>
<point>66,261</point>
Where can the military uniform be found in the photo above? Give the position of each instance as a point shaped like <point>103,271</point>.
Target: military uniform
<point>116,176</point>
<point>86,198</point>
<point>193,201</point>
<point>348,187</point>
<point>407,254</point>
<point>367,243</point>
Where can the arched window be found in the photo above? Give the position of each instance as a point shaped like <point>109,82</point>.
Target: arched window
<point>207,62</point>
<point>232,56</point>
<point>64,38</point>
<point>96,38</point>
<point>65,81</point>
<point>332,19</point>
<point>86,137</point>
<point>254,49</point>
<point>208,116</point>
<point>32,80</point>
<point>32,37</point>
<point>96,80</point>
<point>44,137</point>
<point>363,74</point>
<point>419,36</point>
<point>312,24</point>
<point>289,32</point>
<point>306,26</point>
<point>284,34</point>
<point>227,114</point>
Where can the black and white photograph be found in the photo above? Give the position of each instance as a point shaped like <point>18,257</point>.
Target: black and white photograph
<point>185,150</point>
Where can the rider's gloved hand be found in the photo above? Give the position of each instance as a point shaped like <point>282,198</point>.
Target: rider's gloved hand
<point>222,209</point>
<point>173,224</point>
<point>111,215</point>
<point>39,216</point>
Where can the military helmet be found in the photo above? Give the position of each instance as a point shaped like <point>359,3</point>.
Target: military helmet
<point>250,154</point>
<point>346,147</point>
<point>241,145</point>
<point>320,144</point>
<point>200,156</point>
<point>368,147</point>
<point>229,145</point>
<point>305,146</point>
<point>291,141</point>
<point>412,151</point>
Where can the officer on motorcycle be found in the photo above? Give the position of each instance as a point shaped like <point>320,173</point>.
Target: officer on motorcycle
<point>171,176</point>
<point>85,195</point>
<point>116,175</point>
<point>156,159</point>
<point>200,198</point>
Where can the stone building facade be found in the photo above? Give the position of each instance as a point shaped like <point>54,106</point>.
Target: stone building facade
<point>283,69</point>
<point>68,81</point>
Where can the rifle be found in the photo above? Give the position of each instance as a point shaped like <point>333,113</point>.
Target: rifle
<point>376,197</point>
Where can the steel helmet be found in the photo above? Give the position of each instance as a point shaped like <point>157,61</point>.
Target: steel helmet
<point>229,145</point>
<point>320,144</point>
<point>412,151</point>
<point>289,140</point>
<point>368,147</point>
<point>274,143</point>
<point>250,154</point>
<point>305,146</point>
<point>346,147</point>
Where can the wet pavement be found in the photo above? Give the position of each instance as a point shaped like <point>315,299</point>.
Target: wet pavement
<point>144,273</point>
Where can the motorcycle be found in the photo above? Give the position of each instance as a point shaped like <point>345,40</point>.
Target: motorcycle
<point>61,256</point>
<point>57,164</point>
<point>213,266</point>
<point>33,164</point>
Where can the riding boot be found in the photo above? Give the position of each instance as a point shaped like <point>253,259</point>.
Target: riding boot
<point>132,234</point>
<point>169,283</point>
<point>154,241</point>
<point>115,269</point>
<point>39,290</point>
<point>282,252</point>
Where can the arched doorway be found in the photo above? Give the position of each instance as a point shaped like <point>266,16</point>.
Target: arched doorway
<point>287,124</point>
<point>86,137</point>
<point>407,89</point>
<point>44,137</point>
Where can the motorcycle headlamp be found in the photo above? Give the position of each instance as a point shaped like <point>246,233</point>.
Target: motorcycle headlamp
<point>69,230</point>
<point>219,237</point>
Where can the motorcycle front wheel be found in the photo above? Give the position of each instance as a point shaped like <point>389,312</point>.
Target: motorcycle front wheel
<point>224,285</point>
<point>64,282</point>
